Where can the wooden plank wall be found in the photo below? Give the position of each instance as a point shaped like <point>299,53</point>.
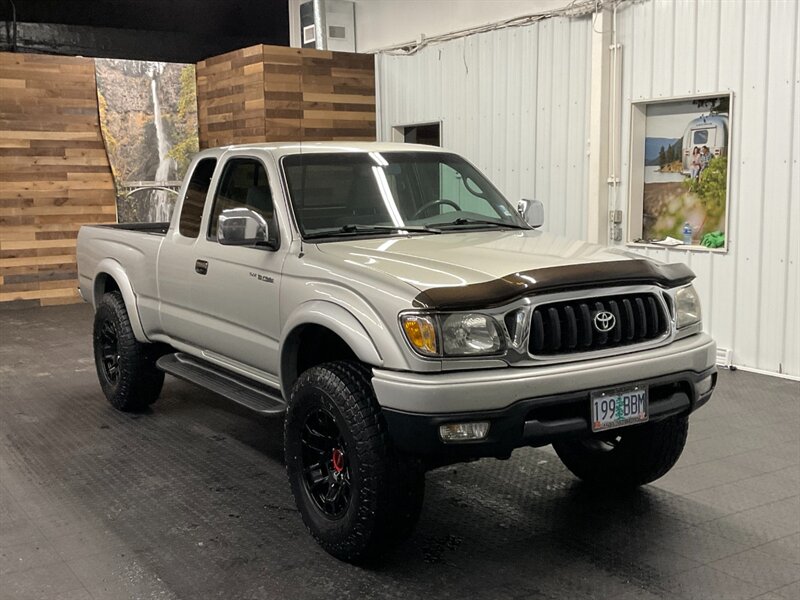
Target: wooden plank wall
<point>338,96</point>
<point>283,94</point>
<point>230,98</point>
<point>54,172</point>
<point>54,175</point>
<point>294,94</point>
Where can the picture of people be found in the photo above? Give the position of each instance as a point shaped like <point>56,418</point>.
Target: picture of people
<point>686,171</point>
<point>696,164</point>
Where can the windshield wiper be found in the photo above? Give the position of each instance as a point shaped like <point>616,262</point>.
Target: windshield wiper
<point>373,228</point>
<point>466,221</point>
<point>362,228</point>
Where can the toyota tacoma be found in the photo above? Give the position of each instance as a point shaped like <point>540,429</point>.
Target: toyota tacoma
<point>399,314</point>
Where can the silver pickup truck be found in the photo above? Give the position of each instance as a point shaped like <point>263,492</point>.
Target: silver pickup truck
<point>400,314</point>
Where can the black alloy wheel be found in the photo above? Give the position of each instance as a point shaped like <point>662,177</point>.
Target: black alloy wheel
<point>126,368</point>
<point>326,469</point>
<point>109,351</point>
<point>357,496</point>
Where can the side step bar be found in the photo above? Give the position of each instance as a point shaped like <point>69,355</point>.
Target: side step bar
<point>259,398</point>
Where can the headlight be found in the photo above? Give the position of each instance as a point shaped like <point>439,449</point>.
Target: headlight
<point>469,334</point>
<point>687,306</point>
<point>458,334</point>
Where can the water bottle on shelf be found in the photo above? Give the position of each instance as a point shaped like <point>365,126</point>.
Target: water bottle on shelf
<point>687,233</point>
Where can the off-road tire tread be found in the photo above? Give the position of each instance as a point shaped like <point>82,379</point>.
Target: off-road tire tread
<point>392,486</point>
<point>140,380</point>
<point>650,451</point>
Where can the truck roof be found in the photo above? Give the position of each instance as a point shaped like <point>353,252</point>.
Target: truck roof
<point>284,148</point>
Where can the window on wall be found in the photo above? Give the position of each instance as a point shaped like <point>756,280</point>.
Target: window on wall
<point>679,172</point>
<point>424,133</point>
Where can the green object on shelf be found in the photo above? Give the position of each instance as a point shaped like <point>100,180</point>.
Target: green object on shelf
<point>714,239</point>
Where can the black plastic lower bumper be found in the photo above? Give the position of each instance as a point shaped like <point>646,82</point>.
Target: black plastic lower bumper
<point>537,421</point>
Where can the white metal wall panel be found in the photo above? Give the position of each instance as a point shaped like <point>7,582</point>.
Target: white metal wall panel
<point>751,49</point>
<point>512,101</point>
<point>515,102</point>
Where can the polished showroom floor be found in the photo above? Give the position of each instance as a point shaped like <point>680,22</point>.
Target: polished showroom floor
<point>190,501</point>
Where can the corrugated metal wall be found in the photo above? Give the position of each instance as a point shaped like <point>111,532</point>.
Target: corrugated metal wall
<point>514,102</point>
<point>750,48</point>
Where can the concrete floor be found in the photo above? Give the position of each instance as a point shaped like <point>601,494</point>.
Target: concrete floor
<point>191,501</point>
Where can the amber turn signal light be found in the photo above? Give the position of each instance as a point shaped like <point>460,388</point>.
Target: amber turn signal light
<point>420,332</point>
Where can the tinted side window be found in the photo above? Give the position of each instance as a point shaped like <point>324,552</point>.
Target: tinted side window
<point>195,200</point>
<point>244,184</point>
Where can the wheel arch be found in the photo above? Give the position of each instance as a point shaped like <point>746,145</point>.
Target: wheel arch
<point>111,277</point>
<point>338,335</point>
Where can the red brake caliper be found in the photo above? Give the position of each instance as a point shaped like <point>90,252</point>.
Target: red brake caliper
<point>337,459</point>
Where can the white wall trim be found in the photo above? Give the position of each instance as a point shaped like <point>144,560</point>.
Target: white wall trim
<point>599,116</point>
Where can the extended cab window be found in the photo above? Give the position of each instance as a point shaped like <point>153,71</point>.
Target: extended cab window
<point>244,184</point>
<point>195,199</point>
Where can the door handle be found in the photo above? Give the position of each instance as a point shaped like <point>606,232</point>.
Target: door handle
<point>201,266</point>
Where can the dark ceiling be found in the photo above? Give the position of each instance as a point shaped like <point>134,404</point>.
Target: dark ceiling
<point>172,30</point>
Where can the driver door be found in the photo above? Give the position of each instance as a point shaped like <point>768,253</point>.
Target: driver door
<point>239,292</point>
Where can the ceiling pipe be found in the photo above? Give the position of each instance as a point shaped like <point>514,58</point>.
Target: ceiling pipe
<point>13,25</point>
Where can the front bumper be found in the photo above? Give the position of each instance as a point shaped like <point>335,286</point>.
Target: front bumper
<point>539,421</point>
<point>536,406</point>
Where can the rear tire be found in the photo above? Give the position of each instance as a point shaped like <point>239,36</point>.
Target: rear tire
<point>628,457</point>
<point>356,495</point>
<point>126,368</point>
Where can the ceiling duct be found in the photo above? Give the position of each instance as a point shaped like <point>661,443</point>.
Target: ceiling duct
<point>328,25</point>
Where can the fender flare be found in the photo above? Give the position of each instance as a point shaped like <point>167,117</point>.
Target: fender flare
<point>340,321</point>
<point>113,269</point>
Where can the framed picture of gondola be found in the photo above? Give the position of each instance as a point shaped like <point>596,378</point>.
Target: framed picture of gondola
<point>679,179</point>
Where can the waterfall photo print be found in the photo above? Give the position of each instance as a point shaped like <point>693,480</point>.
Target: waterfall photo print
<point>148,117</point>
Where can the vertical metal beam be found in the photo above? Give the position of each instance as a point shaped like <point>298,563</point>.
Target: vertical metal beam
<point>599,115</point>
<point>321,25</point>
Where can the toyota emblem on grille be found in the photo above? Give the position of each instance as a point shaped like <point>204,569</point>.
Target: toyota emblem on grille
<point>604,321</point>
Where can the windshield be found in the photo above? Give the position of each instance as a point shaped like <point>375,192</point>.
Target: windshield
<point>341,194</point>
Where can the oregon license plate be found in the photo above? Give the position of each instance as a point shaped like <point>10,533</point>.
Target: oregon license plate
<point>619,407</point>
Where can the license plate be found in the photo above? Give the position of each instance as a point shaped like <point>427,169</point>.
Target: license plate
<point>619,407</point>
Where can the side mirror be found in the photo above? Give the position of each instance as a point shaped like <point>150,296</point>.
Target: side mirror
<point>242,227</point>
<point>532,211</point>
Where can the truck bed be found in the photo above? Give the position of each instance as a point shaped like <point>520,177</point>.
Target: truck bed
<point>132,247</point>
<point>154,228</point>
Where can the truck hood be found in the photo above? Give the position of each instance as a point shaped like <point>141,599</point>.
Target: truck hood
<point>465,269</point>
<point>454,259</point>
<point>463,258</point>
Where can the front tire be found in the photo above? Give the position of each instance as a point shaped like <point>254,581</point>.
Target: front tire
<point>126,368</point>
<point>626,457</point>
<point>356,495</point>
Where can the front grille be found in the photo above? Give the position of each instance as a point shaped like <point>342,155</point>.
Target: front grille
<point>568,327</point>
